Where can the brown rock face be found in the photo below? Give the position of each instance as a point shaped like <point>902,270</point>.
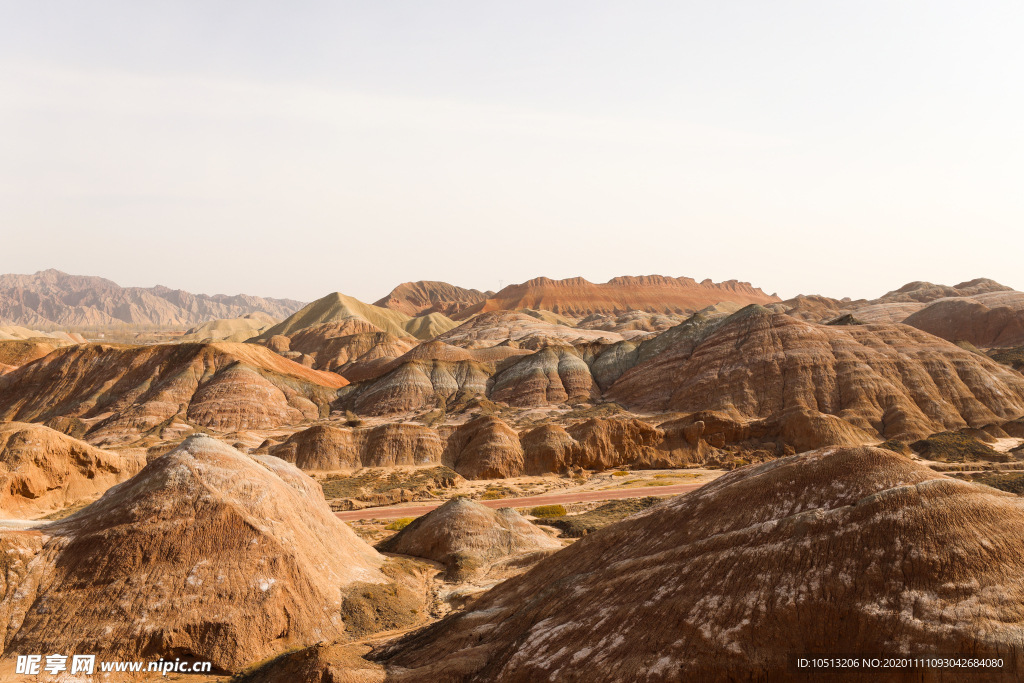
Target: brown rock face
<point>205,552</point>
<point>465,536</point>
<point>577,298</point>
<point>484,448</point>
<point>601,444</point>
<point>330,448</point>
<point>42,470</point>
<point>126,391</point>
<point>423,297</point>
<point>554,374</point>
<point>857,551</point>
<point>18,352</point>
<point>887,381</point>
<point>971,321</point>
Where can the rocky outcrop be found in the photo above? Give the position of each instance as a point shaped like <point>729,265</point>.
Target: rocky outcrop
<point>578,298</point>
<point>603,444</point>
<point>123,392</point>
<point>17,352</point>
<point>51,297</point>
<point>466,537</point>
<point>324,447</point>
<point>484,448</point>
<point>854,551</point>
<point>887,381</point>
<point>42,470</point>
<point>206,552</point>
<point>425,297</point>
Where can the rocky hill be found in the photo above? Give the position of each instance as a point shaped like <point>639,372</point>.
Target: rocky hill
<point>425,297</point>
<point>578,298</point>
<point>856,551</point>
<point>206,553</point>
<point>51,297</point>
<point>42,470</point>
<point>803,381</point>
<point>118,394</point>
<point>465,537</point>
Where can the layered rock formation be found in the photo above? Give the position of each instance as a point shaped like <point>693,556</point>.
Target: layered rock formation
<point>466,537</point>
<point>578,298</point>
<point>971,321</point>
<point>869,382</point>
<point>42,470</point>
<point>51,297</point>
<point>205,553</point>
<point>493,328</point>
<point>324,447</point>
<point>856,551</point>
<point>484,448</point>
<point>425,297</point>
<point>337,307</point>
<point>122,392</point>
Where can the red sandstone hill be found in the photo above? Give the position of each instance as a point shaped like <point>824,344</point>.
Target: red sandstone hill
<point>424,297</point>
<point>578,298</point>
<point>856,551</point>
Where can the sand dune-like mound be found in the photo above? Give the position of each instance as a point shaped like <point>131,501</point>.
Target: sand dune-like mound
<point>466,536</point>
<point>578,298</point>
<point>206,552</point>
<point>888,381</point>
<point>230,330</point>
<point>124,391</point>
<point>856,551</point>
<point>425,297</point>
<point>42,470</point>
<point>350,347</point>
<point>337,307</point>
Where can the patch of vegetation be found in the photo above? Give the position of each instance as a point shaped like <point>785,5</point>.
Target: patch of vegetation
<point>68,511</point>
<point>1012,357</point>
<point>373,607</point>
<point>968,346</point>
<point>621,473</point>
<point>461,566</point>
<point>587,412</point>
<point>497,493</point>
<point>399,523</point>
<point>352,420</point>
<point>956,447</point>
<point>548,511</point>
<point>577,526</point>
<point>896,446</point>
<point>1012,481</point>
<point>847,319</point>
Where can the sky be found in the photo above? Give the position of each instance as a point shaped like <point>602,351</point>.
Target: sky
<point>292,149</point>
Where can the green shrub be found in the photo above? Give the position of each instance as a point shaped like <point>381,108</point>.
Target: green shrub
<point>548,511</point>
<point>399,524</point>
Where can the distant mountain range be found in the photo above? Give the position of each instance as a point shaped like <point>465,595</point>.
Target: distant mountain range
<point>50,297</point>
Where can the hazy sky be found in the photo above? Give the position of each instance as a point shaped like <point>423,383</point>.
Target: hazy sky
<point>292,149</point>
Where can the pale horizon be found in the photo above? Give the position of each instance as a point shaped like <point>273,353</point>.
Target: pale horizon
<point>291,152</point>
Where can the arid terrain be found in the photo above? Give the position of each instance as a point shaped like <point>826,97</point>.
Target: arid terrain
<point>651,478</point>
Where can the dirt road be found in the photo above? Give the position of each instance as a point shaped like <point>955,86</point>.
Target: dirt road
<point>414,510</point>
